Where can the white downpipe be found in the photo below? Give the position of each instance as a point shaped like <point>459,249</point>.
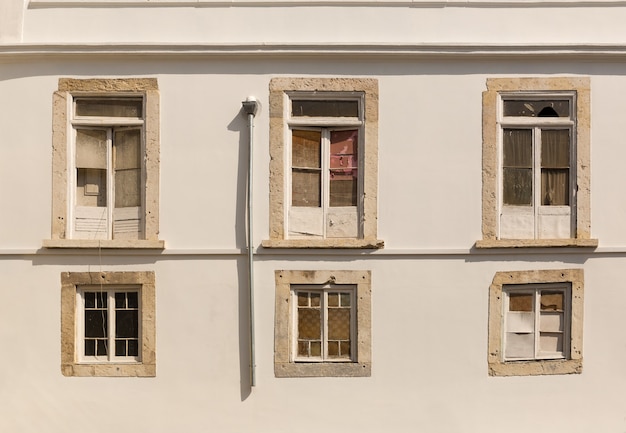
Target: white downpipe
<point>250,107</point>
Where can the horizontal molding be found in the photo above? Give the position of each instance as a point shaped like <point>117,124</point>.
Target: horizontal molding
<point>286,253</point>
<point>33,4</point>
<point>316,49</point>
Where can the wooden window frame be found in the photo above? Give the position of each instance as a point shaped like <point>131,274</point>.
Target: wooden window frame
<point>579,89</point>
<point>72,362</point>
<point>285,363</point>
<point>531,280</point>
<point>63,179</point>
<point>282,91</point>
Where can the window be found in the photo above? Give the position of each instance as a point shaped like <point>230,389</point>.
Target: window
<point>105,164</point>
<point>323,144</point>
<point>536,163</point>
<point>107,324</point>
<point>323,323</point>
<point>535,322</point>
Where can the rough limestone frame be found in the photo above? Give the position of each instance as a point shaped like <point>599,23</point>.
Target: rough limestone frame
<point>69,283</point>
<point>283,326</point>
<point>581,85</point>
<point>146,87</point>
<point>498,367</point>
<point>278,98</point>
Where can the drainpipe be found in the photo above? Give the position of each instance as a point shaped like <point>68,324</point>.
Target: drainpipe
<point>250,108</point>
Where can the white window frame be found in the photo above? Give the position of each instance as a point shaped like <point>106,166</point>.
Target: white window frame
<point>323,291</point>
<point>538,212</point>
<point>110,125</point>
<point>535,290</point>
<point>111,311</point>
<point>324,125</point>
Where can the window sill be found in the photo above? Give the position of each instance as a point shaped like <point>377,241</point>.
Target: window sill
<point>109,370</point>
<point>536,243</point>
<point>536,368</point>
<point>94,243</point>
<point>314,369</point>
<point>374,244</point>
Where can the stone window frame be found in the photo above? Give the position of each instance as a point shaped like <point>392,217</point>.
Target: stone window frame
<point>70,284</point>
<point>280,89</point>
<point>490,165</point>
<point>571,365</point>
<point>68,88</point>
<point>284,366</point>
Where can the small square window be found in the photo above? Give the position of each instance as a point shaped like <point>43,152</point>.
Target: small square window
<point>535,322</point>
<point>323,323</point>
<point>107,324</point>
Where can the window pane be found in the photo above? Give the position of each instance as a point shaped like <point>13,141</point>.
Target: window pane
<point>517,186</point>
<point>315,299</point>
<point>120,347</point>
<point>126,323</point>
<point>520,345</point>
<point>343,168</point>
<point>132,299</point>
<point>555,148</point>
<point>91,148</point>
<point>306,149</point>
<point>95,323</point>
<point>90,299</point>
<point>552,108</point>
<point>551,342</point>
<point>517,173</point>
<point>344,349</point>
<point>552,301</point>
<point>109,107</point>
<point>333,299</point>
<point>517,148</point>
<point>333,348</point>
<point>90,347</point>
<point>127,188</point>
<point>127,148</point>
<point>127,164</point>
<point>520,302</point>
<point>345,299</point>
<point>316,348</point>
<point>306,188</point>
<point>101,348</point>
<point>309,324</point>
<point>555,160</point>
<point>319,108</point>
<point>133,347</point>
<point>339,324</point>
<point>91,187</point>
<point>554,187</point>
<point>551,322</point>
<point>120,300</point>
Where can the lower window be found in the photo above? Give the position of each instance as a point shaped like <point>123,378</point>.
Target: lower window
<point>535,322</point>
<point>323,323</point>
<point>108,324</point>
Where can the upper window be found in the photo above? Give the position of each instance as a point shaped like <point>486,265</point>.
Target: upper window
<point>108,324</point>
<point>105,164</point>
<point>535,322</point>
<point>324,158</point>
<point>536,163</point>
<point>323,324</point>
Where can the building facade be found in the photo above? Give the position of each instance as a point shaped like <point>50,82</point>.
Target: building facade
<point>436,238</point>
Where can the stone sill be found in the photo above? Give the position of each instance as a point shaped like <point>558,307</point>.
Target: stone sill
<point>94,243</point>
<point>109,370</point>
<point>536,243</point>
<point>322,369</point>
<point>372,244</point>
<point>536,368</point>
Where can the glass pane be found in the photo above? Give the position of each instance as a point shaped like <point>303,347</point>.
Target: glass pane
<point>95,323</point>
<point>551,322</point>
<point>127,148</point>
<point>344,349</point>
<point>520,322</point>
<point>333,348</point>
<point>90,347</point>
<point>91,148</point>
<point>551,342</point>
<point>102,299</point>
<point>120,300</point>
<point>91,187</point>
<point>133,348</point>
<point>127,188</point>
<point>303,348</point>
<point>517,186</point>
<point>120,347</point>
<point>126,323</point>
<point>306,149</point>
<point>321,108</point>
<point>555,148</point>
<point>303,299</point>
<point>517,148</point>
<point>344,164</point>
<point>339,324</point>
<point>345,299</point>
<point>551,108</point>
<point>551,301</point>
<point>101,348</point>
<point>132,298</point>
<point>90,299</point>
<point>519,345</point>
<point>554,187</point>
<point>520,302</point>
<point>315,299</point>
<point>306,188</point>
<point>309,324</point>
<point>109,107</point>
<point>316,348</point>
<point>333,299</point>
